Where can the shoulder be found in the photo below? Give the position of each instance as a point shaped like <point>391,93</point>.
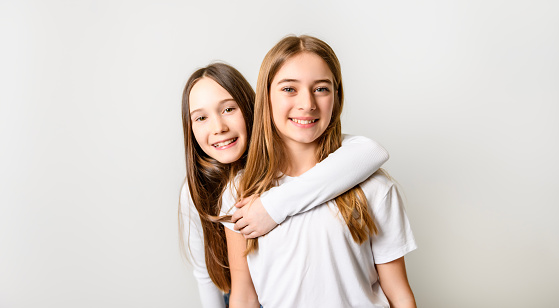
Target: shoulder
<point>229,196</point>
<point>228,200</point>
<point>377,186</point>
<point>186,204</point>
<point>185,198</point>
<point>185,201</point>
<point>185,192</point>
<point>379,180</point>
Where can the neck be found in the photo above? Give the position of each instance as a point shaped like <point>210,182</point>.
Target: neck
<point>300,157</point>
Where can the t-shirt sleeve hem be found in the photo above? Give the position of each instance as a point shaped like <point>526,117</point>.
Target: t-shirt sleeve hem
<point>402,251</point>
<point>230,226</point>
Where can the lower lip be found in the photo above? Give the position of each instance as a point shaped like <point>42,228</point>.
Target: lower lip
<point>225,147</point>
<point>303,125</point>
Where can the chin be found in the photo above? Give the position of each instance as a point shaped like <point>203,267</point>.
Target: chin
<point>306,139</point>
<point>228,159</point>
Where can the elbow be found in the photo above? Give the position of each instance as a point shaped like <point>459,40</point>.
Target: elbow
<point>384,155</point>
<point>379,152</point>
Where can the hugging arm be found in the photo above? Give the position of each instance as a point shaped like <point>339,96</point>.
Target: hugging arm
<point>357,159</point>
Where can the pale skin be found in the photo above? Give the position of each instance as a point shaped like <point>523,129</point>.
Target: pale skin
<point>216,117</point>
<point>252,219</point>
<point>394,283</point>
<point>300,90</point>
<point>240,275</point>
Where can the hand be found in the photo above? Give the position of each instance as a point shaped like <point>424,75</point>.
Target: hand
<point>251,218</point>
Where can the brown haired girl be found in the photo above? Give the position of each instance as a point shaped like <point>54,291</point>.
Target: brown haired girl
<point>349,253</point>
<point>217,115</point>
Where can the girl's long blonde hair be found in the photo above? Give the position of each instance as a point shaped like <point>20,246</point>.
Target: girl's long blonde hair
<point>266,157</point>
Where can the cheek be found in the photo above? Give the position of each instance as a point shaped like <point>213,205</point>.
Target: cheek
<point>198,133</point>
<point>278,109</point>
<point>331,109</point>
<point>241,125</point>
<point>327,104</point>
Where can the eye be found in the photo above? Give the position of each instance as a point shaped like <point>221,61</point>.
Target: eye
<point>288,89</point>
<point>200,119</point>
<point>322,89</point>
<point>228,110</point>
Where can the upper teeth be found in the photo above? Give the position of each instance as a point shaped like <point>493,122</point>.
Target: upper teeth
<point>303,121</point>
<point>224,143</point>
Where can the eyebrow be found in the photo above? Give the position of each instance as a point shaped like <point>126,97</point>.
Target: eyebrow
<point>328,81</point>
<point>220,103</point>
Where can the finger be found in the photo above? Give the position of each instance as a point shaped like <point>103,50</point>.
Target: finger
<point>237,215</point>
<point>242,203</point>
<point>253,234</point>
<point>246,230</point>
<point>241,223</point>
<point>247,200</point>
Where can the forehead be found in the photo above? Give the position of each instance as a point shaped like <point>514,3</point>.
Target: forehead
<point>305,66</point>
<point>206,93</point>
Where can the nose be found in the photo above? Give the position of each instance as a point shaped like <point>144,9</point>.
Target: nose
<point>306,101</point>
<point>219,126</point>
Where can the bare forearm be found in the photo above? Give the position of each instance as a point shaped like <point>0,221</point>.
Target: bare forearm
<point>394,282</point>
<point>404,302</point>
<point>242,289</point>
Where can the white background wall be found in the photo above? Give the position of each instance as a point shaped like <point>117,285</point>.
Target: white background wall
<point>464,94</point>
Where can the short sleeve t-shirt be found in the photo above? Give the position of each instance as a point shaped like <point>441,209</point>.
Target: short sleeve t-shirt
<point>311,259</point>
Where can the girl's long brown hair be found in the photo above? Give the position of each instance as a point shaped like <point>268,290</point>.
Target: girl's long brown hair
<point>266,156</point>
<point>206,177</point>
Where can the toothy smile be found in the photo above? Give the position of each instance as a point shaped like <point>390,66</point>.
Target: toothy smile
<point>224,143</point>
<point>303,121</point>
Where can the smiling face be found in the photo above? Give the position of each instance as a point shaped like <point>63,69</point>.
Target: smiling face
<point>217,121</point>
<point>302,98</point>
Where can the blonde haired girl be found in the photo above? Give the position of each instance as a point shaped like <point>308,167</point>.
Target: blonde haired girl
<point>348,253</point>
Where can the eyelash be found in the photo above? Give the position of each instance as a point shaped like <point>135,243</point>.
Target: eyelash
<point>226,110</point>
<point>319,89</point>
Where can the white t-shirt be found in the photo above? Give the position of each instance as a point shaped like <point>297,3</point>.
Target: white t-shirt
<point>311,260</point>
<point>210,295</point>
<point>323,182</point>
